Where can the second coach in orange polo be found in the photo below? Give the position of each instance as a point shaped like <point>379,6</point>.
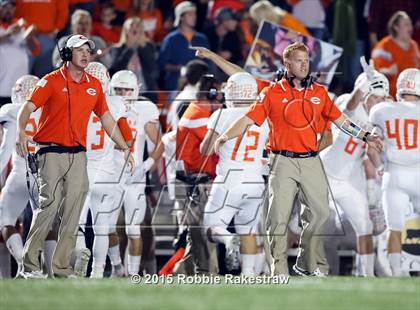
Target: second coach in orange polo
<point>67,97</point>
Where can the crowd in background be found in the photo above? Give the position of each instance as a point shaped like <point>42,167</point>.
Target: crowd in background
<point>152,38</point>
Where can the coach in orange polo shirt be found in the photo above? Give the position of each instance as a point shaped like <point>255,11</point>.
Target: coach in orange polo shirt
<point>295,109</point>
<point>67,98</point>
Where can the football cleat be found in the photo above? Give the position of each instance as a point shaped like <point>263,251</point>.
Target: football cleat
<point>82,261</point>
<point>232,253</point>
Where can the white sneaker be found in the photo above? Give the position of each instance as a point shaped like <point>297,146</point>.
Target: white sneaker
<point>32,275</point>
<point>232,253</point>
<point>82,261</point>
<point>117,271</point>
<point>318,273</point>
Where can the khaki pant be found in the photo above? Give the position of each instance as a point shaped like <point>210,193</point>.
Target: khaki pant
<point>200,255</point>
<point>63,186</point>
<point>320,254</point>
<point>287,176</point>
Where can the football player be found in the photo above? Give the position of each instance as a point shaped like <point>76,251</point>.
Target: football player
<point>398,124</point>
<point>15,194</point>
<point>345,180</point>
<point>143,119</point>
<point>104,193</point>
<point>238,189</point>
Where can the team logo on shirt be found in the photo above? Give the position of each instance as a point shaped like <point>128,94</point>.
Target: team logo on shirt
<point>91,91</point>
<point>315,100</point>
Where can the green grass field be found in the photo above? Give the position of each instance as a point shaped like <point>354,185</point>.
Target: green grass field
<point>300,293</point>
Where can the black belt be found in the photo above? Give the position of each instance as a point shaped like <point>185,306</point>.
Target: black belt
<point>295,155</point>
<point>60,149</point>
<point>193,179</point>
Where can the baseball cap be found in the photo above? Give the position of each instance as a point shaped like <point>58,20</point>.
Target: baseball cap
<point>182,8</point>
<point>224,14</point>
<point>78,40</point>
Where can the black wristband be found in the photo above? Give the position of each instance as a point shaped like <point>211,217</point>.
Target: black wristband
<point>367,134</point>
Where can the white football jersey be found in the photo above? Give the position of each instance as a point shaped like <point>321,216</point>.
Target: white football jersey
<point>399,125</point>
<point>99,146</point>
<point>9,113</point>
<point>243,153</point>
<point>139,114</point>
<point>345,155</point>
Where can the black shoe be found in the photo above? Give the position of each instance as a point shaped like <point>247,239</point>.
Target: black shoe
<point>301,272</point>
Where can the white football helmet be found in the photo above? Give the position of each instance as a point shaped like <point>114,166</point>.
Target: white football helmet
<point>99,71</point>
<point>241,87</point>
<point>125,79</point>
<point>23,88</point>
<point>378,85</point>
<point>408,83</point>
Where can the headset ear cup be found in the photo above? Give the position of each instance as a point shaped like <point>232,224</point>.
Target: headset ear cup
<point>66,54</point>
<point>212,94</point>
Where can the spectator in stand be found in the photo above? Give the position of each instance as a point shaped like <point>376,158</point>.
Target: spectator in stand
<point>397,51</point>
<point>224,39</point>
<point>136,53</point>
<point>104,28</point>
<point>380,11</point>
<point>88,5</point>
<point>235,5</point>
<point>264,10</point>
<point>81,23</point>
<point>49,17</point>
<point>174,51</point>
<point>312,14</point>
<point>121,9</point>
<point>152,20</point>
<point>17,42</point>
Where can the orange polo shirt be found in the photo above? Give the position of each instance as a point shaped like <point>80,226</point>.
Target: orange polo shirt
<point>387,52</point>
<point>294,122</point>
<point>192,129</point>
<point>66,107</point>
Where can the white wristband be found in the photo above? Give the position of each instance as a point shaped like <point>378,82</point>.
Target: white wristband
<point>148,164</point>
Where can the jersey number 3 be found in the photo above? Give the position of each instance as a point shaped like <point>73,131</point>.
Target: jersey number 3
<point>101,134</point>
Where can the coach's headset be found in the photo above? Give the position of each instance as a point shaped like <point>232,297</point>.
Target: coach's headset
<point>66,54</point>
<point>305,83</point>
<point>207,89</point>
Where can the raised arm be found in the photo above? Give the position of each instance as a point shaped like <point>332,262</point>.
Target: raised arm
<point>224,65</point>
